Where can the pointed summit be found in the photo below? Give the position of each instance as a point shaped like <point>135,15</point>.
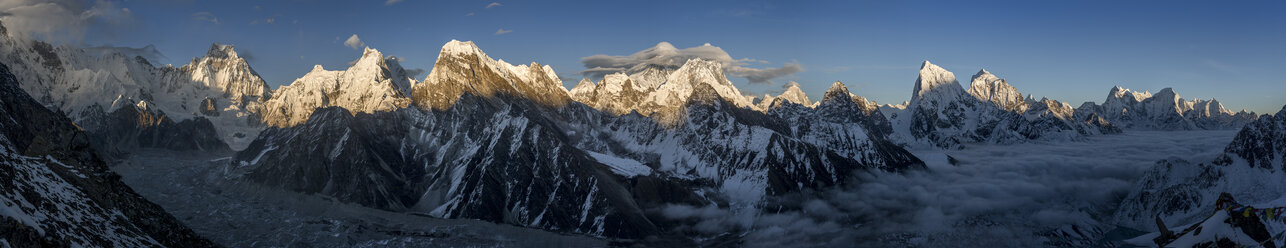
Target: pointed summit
<point>837,91</point>
<point>464,68</point>
<point>583,91</point>
<point>370,57</point>
<point>795,95</point>
<point>987,87</point>
<point>936,84</point>
<point>980,84</point>
<point>221,51</point>
<point>221,69</point>
<point>371,84</point>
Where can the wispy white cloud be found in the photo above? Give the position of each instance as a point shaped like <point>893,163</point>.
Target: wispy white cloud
<point>494,4</point>
<point>391,2</point>
<point>63,19</point>
<point>354,42</point>
<point>503,31</point>
<point>469,14</point>
<point>148,52</point>
<point>1225,67</point>
<point>205,16</point>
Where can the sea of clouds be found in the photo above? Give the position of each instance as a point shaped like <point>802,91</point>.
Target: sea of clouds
<point>1005,195</point>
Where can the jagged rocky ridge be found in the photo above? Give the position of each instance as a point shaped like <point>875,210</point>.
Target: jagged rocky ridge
<point>488,140</point>
<point>56,191</point>
<point>373,83</point>
<point>658,91</point>
<point>1164,110</point>
<point>941,113</point>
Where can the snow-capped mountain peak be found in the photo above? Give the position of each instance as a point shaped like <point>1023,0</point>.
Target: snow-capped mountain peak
<point>936,85</point>
<point>370,58</point>
<point>1165,110</point>
<point>694,72</point>
<point>460,47</point>
<point>837,91</point>
<point>464,68</point>
<point>1119,92</point>
<point>373,83</point>
<point>987,87</point>
<point>223,70</point>
<point>221,51</point>
<point>583,90</point>
<point>795,95</point>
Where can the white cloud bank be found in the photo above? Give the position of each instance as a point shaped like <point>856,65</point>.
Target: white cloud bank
<point>666,55</point>
<point>999,196</point>
<point>354,42</point>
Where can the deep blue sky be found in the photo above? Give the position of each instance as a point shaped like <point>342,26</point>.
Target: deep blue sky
<point>1072,51</point>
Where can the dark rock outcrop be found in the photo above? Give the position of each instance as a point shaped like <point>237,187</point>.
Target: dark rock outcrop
<point>65,194</point>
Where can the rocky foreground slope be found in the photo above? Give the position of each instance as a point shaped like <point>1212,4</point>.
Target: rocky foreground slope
<point>56,191</point>
<point>1181,192</point>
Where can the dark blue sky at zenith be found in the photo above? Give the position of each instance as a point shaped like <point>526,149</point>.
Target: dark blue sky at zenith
<point>1073,51</point>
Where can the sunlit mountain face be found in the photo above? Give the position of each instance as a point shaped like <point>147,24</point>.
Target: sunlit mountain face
<point>591,124</point>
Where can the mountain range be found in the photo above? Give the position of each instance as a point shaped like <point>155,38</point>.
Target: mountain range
<point>481,138</point>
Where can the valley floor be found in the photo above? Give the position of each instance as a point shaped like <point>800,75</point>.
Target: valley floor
<point>192,188</point>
